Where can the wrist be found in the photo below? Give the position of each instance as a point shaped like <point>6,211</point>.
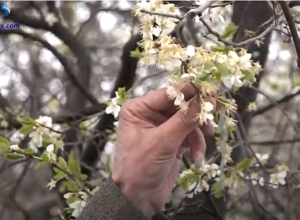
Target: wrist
<point>136,197</point>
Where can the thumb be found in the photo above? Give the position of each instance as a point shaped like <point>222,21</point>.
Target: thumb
<point>181,123</point>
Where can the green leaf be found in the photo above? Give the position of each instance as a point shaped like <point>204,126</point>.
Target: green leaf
<point>59,175</point>
<point>45,158</point>
<point>222,68</point>
<point>4,142</point>
<point>13,156</point>
<point>83,128</point>
<point>217,189</point>
<point>47,141</point>
<point>184,183</point>
<point>297,80</point>
<point>229,31</point>
<point>71,186</point>
<point>107,164</point>
<point>29,118</point>
<point>249,76</point>
<point>40,164</point>
<point>62,163</point>
<point>136,53</point>
<point>25,129</point>
<point>208,67</point>
<point>25,121</point>
<point>74,165</point>
<point>122,92</point>
<point>29,151</point>
<point>83,177</point>
<point>223,49</point>
<point>72,199</point>
<point>246,163</point>
<point>4,145</point>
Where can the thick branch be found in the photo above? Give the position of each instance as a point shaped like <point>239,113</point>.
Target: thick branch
<point>62,59</point>
<point>63,33</point>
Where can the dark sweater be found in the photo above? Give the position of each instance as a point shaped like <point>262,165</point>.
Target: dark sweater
<point>110,204</point>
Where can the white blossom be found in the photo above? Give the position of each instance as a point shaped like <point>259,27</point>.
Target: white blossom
<point>50,148</point>
<point>174,94</point>
<point>116,123</point>
<point>171,64</point>
<point>277,179</point>
<point>83,195</point>
<point>230,121</point>
<point>191,190</point>
<point>262,158</point>
<point>242,62</point>
<point>14,147</point>
<point>113,108</point>
<point>17,137</point>
<point>212,170</point>
<point>68,195</point>
<point>203,186</point>
<point>208,107</point>
<point>44,121</point>
<point>77,207</point>
<point>255,179</point>
<point>188,76</point>
<point>233,81</point>
<point>36,140</point>
<point>190,50</point>
<point>206,113</point>
<point>197,187</point>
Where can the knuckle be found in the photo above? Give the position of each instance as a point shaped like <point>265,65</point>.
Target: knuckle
<point>184,119</point>
<point>127,107</point>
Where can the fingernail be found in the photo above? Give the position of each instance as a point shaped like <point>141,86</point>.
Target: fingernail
<point>198,162</point>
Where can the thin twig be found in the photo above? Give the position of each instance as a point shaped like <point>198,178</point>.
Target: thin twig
<point>291,23</point>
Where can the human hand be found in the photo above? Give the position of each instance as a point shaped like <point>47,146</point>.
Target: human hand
<point>152,137</point>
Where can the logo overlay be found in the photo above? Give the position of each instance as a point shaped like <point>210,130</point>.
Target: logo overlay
<point>5,12</point>
<point>4,9</point>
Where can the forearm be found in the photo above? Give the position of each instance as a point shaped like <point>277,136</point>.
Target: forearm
<point>111,204</point>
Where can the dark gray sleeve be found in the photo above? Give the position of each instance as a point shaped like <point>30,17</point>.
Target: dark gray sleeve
<point>110,204</point>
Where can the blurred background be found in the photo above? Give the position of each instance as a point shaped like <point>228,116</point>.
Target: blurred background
<point>67,59</point>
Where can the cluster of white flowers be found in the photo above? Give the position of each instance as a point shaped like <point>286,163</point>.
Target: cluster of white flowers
<point>206,69</point>
<point>234,178</point>
<point>210,171</point>
<point>163,25</point>
<point>236,65</point>
<point>49,151</point>
<point>77,205</point>
<point>254,178</point>
<point>43,127</point>
<point>278,178</point>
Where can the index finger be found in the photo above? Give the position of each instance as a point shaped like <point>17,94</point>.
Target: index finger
<point>159,101</point>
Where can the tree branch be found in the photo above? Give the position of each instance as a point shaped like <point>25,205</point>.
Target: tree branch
<point>291,23</point>
<point>62,59</point>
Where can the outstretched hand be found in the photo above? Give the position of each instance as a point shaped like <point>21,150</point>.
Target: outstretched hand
<point>152,137</point>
